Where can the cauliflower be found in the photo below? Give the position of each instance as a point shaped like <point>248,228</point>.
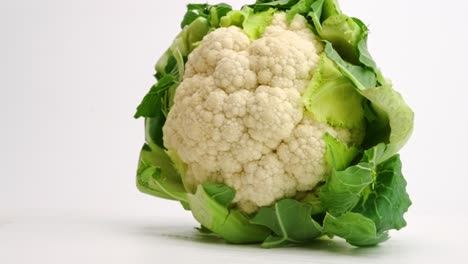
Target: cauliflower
<point>238,117</point>
<point>262,118</point>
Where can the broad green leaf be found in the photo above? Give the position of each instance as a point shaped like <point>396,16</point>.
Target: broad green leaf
<point>380,199</point>
<point>348,35</point>
<point>343,189</point>
<point>230,224</point>
<point>333,98</point>
<point>338,154</point>
<point>290,222</point>
<point>375,155</point>
<point>204,230</point>
<point>169,71</point>
<point>153,130</point>
<point>386,200</point>
<point>253,24</point>
<point>156,175</point>
<point>212,13</point>
<point>316,14</point>
<point>181,168</point>
<point>313,200</point>
<point>355,228</point>
<point>278,4</point>
<point>361,77</point>
<point>217,12</point>
<point>194,11</point>
<point>393,119</point>
<point>153,180</point>
<point>153,107</point>
<point>221,193</point>
<point>302,7</point>
<point>157,157</point>
<point>364,56</point>
<point>393,113</point>
<point>184,43</point>
<point>345,34</point>
<point>330,8</point>
<point>151,104</point>
<point>233,18</point>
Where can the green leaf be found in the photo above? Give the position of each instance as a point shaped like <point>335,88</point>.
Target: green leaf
<point>375,155</point>
<point>343,189</point>
<point>386,200</point>
<point>157,157</point>
<point>373,190</point>
<point>153,129</point>
<point>181,168</point>
<point>202,229</point>
<point>344,33</point>
<point>302,7</point>
<point>315,14</point>
<point>157,176</point>
<point>333,98</point>
<point>338,154</point>
<point>221,193</point>
<point>255,23</point>
<point>194,11</point>
<point>355,228</point>
<point>394,124</point>
<point>155,181</point>
<point>233,18</point>
<point>279,5</point>
<point>392,118</point>
<point>364,57</point>
<point>330,8</point>
<point>182,46</point>
<point>189,17</point>
<point>212,13</point>
<point>151,104</point>
<point>252,23</point>
<point>290,222</point>
<point>170,68</point>
<point>312,198</point>
<point>230,224</point>
<point>361,77</point>
<point>154,107</point>
<point>348,35</point>
<point>217,12</point>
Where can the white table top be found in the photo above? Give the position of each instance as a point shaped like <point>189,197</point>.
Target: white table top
<point>59,237</point>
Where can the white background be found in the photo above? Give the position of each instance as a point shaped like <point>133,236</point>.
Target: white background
<point>72,73</point>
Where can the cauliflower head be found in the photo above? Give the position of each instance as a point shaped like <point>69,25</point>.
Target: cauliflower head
<point>275,118</point>
<point>238,117</point>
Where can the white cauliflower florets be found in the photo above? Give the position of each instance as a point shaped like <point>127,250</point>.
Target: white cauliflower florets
<point>238,118</point>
